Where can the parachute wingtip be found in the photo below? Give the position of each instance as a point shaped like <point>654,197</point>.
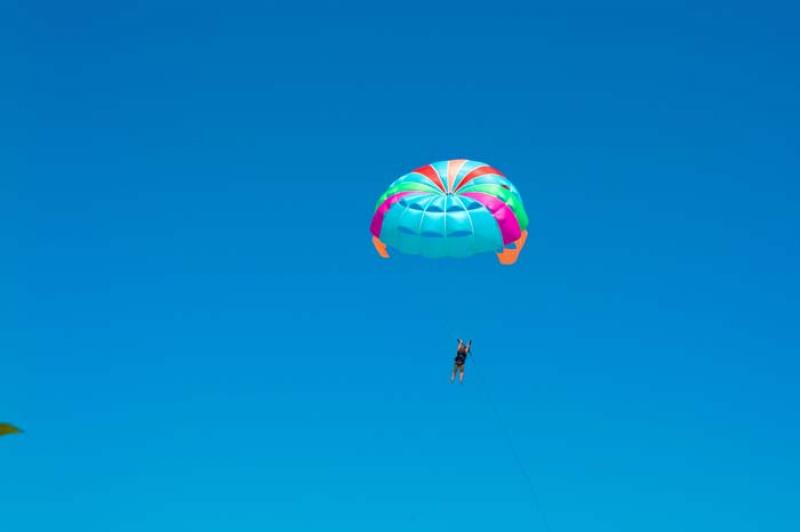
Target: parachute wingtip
<point>509,256</point>
<point>380,247</point>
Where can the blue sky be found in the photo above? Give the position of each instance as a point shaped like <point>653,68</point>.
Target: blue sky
<point>197,334</point>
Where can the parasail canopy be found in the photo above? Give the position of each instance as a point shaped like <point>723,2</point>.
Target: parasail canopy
<point>455,208</point>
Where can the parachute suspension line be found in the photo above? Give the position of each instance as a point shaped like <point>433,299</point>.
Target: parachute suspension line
<point>538,508</point>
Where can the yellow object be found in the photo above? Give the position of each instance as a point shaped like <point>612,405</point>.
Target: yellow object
<point>8,428</point>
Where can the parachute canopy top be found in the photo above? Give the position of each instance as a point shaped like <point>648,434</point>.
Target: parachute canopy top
<point>455,208</point>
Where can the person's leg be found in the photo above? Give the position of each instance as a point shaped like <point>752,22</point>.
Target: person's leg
<point>461,375</point>
<point>453,375</point>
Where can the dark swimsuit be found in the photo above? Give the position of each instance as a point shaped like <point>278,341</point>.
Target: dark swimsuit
<point>460,358</point>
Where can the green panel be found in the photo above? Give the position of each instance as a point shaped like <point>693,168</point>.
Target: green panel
<point>509,198</point>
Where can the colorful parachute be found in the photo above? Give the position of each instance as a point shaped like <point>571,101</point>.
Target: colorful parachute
<point>8,428</point>
<point>454,208</point>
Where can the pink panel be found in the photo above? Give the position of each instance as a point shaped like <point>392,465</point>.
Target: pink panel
<point>509,225</point>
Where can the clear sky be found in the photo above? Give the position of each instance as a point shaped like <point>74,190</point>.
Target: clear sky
<point>196,333</point>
